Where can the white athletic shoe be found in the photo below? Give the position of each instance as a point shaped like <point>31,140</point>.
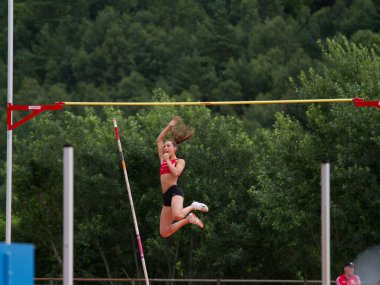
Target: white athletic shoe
<point>199,206</point>
<point>194,220</point>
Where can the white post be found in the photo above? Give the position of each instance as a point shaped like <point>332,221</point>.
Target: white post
<point>68,214</point>
<point>325,219</point>
<point>8,214</point>
<point>8,223</point>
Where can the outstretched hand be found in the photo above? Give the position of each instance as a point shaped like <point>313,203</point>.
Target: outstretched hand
<point>174,121</point>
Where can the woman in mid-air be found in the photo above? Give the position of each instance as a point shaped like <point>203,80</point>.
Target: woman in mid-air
<point>170,171</point>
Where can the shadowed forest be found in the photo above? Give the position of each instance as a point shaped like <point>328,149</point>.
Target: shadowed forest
<point>256,167</point>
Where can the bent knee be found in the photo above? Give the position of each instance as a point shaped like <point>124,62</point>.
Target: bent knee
<point>178,217</point>
<point>164,233</point>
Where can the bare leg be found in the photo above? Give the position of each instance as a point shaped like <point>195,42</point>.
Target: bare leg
<point>166,226</point>
<point>178,211</point>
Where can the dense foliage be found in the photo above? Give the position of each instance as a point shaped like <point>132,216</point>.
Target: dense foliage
<point>256,167</point>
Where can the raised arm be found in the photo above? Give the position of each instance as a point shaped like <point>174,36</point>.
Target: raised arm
<point>161,137</point>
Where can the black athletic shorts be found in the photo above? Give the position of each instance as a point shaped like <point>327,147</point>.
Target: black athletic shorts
<point>170,193</point>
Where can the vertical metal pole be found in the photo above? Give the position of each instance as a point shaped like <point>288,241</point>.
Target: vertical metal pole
<point>68,214</point>
<point>325,219</point>
<point>8,214</point>
<point>8,223</point>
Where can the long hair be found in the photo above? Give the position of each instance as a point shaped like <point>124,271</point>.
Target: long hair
<point>180,133</point>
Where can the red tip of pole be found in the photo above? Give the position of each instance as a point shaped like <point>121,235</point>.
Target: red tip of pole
<point>117,133</point>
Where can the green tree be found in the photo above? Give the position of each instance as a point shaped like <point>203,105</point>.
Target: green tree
<point>288,175</point>
<point>350,72</point>
<point>287,193</point>
<point>104,234</point>
<point>198,50</point>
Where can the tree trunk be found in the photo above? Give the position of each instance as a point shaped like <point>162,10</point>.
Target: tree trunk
<point>104,258</point>
<point>55,252</point>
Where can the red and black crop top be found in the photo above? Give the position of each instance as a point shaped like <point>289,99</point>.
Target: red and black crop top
<point>164,169</point>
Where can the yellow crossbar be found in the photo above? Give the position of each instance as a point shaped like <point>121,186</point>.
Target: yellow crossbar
<point>267,102</point>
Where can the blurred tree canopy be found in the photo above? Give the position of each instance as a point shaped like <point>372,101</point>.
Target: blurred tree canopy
<point>214,50</point>
<point>257,167</point>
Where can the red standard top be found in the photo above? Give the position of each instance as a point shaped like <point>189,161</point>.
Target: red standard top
<point>164,169</point>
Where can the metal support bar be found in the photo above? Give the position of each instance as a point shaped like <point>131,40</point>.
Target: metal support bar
<point>68,214</point>
<point>35,110</point>
<point>325,220</point>
<point>8,223</point>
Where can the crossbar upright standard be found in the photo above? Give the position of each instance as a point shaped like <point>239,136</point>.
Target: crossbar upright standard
<point>68,215</point>
<point>131,201</point>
